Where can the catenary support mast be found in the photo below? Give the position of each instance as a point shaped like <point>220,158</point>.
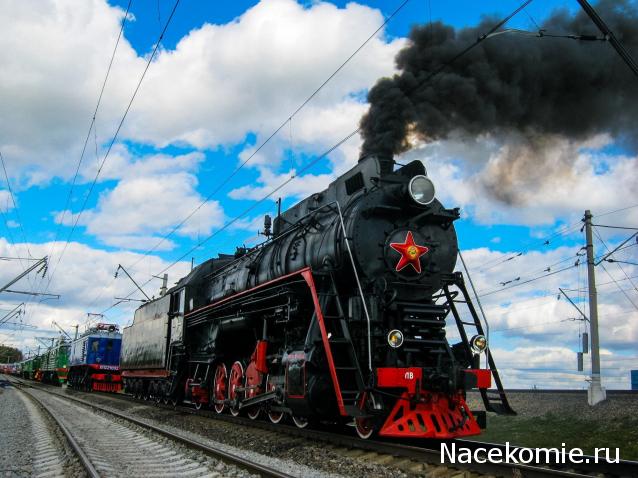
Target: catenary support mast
<point>595,393</point>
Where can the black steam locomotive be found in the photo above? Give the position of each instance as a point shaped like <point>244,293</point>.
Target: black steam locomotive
<point>338,317</point>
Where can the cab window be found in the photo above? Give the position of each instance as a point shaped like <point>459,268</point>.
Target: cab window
<point>178,302</point>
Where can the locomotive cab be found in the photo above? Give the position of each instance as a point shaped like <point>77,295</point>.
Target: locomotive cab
<point>94,359</point>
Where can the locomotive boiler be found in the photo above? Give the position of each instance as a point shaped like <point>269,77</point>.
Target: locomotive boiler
<point>339,317</point>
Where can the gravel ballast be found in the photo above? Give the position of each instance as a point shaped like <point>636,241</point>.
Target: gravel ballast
<point>31,446</point>
<point>288,453</point>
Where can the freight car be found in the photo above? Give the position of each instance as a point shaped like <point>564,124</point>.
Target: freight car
<point>94,361</point>
<point>55,363</point>
<point>340,317</point>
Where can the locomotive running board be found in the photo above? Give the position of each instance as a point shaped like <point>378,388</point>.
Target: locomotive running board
<point>495,401</point>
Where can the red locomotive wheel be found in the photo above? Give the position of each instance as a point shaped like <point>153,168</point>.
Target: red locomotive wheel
<point>219,387</point>
<point>253,388</point>
<point>364,425</point>
<point>235,381</point>
<point>274,417</point>
<point>301,422</point>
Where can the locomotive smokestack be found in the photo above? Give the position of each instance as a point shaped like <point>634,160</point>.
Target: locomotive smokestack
<point>538,98</point>
<point>386,162</point>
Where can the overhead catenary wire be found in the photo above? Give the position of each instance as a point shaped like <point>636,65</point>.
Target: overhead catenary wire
<point>547,268</point>
<point>616,227</point>
<point>622,209</point>
<point>288,120</point>
<point>350,135</point>
<point>619,249</point>
<point>6,258</point>
<point>92,127</point>
<point>546,240</point>
<point>609,35</point>
<point>521,283</point>
<point>15,204</point>
<point>620,288</point>
<point>276,131</point>
<point>10,235</point>
<point>314,93</point>
<point>246,211</point>
<point>602,284</point>
<point>114,138</point>
<point>619,266</point>
<point>32,286</point>
<point>552,322</point>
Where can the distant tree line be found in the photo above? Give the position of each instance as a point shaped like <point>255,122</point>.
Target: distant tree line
<point>9,354</point>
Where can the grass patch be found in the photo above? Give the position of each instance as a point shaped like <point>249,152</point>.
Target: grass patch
<point>552,431</point>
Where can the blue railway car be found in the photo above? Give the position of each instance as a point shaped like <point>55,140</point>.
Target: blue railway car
<point>94,360</point>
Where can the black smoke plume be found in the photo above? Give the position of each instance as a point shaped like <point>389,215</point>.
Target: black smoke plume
<point>537,90</point>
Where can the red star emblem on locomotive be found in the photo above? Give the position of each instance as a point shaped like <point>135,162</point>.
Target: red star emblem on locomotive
<point>410,253</point>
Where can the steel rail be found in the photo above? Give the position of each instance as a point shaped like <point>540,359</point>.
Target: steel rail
<point>432,456</point>
<point>423,453</point>
<point>77,449</point>
<point>225,456</point>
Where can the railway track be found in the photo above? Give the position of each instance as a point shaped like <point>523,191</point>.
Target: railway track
<point>414,460</point>
<point>109,443</point>
<point>426,457</point>
<point>46,455</point>
<point>429,455</point>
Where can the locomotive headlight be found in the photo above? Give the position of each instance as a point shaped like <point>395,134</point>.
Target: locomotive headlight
<point>421,189</point>
<point>478,343</point>
<point>395,338</point>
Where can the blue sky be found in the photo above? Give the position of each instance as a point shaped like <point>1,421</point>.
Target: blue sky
<point>227,74</point>
<point>143,33</point>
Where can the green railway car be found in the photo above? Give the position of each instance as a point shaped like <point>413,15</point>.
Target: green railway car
<point>55,363</point>
<point>31,367</point>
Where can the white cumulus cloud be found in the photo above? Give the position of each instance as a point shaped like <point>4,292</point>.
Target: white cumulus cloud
<point>153,196</point>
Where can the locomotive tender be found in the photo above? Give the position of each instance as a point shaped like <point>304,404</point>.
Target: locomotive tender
<point>338,317</point>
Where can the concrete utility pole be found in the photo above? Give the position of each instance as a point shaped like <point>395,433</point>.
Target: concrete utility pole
<point>164,287</point>
<point>595,393</point>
